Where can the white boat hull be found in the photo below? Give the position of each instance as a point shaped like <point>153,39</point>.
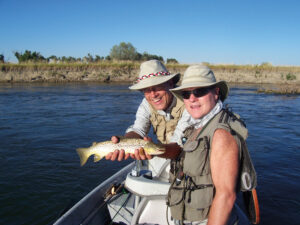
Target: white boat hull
<point>142,201</point>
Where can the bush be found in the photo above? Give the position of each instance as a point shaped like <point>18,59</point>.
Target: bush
<point>172,61</point>
<point>290,76</point>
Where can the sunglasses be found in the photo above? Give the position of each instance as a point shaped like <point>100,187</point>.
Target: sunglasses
<point>199,92</point>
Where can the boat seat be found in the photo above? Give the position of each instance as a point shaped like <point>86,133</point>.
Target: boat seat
<point>152,211</point>
<point>146,186</point>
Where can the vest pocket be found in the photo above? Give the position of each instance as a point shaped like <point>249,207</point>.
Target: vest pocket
<point>176,202</point>
<point>176,196</point>
<point>196,163</point>
<point>200,198</point>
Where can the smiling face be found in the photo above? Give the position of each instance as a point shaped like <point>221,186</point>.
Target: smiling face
<point>159,96</point>
<point>201,106</point>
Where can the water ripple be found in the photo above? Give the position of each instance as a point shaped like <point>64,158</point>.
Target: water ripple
<point>42,125</point>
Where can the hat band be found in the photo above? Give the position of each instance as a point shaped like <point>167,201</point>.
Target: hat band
<point>152,75</point>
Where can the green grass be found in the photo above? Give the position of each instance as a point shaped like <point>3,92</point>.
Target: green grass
<point>67,66</point>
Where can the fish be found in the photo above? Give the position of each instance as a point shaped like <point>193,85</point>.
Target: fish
<point>101,149</point>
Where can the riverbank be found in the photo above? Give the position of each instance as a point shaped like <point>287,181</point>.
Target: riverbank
<point>284,79</point>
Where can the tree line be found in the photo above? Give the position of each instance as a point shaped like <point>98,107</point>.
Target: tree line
<point>123,51</point>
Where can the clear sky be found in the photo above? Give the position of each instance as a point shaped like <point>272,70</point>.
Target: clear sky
<point>191,31</point>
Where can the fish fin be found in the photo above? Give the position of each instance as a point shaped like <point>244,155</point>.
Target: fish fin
<point>82,155</point>
<point>97,157</point>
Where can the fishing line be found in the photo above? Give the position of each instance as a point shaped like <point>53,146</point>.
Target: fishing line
<point>124,203</point>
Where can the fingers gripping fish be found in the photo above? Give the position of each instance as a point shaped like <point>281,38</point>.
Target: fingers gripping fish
<point>101,149</point>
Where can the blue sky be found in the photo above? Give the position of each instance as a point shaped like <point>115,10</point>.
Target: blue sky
<point>191,31</point>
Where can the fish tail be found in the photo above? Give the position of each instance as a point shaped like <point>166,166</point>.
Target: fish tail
<point>82,155</point>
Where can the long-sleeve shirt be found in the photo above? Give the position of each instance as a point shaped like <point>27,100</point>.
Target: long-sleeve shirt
<point>142,121</point>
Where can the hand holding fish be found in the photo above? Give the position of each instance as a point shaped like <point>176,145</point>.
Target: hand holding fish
<point>140,154</point>
<point>135,147</point>
<point>120,155</point>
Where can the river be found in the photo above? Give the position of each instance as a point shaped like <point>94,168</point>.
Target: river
<point>41,125</point>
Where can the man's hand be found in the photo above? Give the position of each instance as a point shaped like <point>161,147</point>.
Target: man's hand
<point>117,154</point>
<point>139,154</point>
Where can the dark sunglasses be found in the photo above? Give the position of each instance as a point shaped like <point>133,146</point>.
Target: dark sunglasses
<point>199,92</point>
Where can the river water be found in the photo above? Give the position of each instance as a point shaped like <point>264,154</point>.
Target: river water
<point>41,125</point>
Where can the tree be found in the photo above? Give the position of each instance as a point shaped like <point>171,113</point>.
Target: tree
<point>123,51</point>
<point>29,56</point>
<point>146,56</point>
<point>98,58</point>
<point>107,58</point>
<point>52,58</point>
<point>1,58</point>
<point>172,61</point>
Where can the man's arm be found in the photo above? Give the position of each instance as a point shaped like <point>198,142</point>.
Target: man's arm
<point>224,162</point>
<point>142,124</point>
<point>183,123</point>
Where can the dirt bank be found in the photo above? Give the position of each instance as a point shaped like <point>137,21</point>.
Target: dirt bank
<point>285,79</point>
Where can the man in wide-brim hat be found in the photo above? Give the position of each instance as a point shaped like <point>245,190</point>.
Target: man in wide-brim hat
<point>159,108</point>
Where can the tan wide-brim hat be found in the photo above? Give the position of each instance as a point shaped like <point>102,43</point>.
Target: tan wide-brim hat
<point>200,76</point>
<point>152,73</point>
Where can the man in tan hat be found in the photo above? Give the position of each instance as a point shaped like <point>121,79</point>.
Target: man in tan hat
<point>159,108</point>
<point>208,170</point>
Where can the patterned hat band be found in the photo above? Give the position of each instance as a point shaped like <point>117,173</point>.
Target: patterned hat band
<point>152,75</point>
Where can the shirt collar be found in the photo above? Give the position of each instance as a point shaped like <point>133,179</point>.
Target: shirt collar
<point>167,113</point>
<point>199,123</point>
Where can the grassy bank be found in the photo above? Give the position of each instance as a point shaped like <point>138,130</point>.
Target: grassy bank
<point>135,65</point>
<point>108,71</point>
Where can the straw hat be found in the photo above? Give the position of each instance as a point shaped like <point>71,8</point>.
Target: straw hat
<point>152,73</point>
<point>200,76</point>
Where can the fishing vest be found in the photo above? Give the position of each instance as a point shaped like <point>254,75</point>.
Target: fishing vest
<point>192,190</point>
<point>162,128</point>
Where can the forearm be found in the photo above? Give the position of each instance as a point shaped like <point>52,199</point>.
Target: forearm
<point>172,151</point>
<point>221,208</point>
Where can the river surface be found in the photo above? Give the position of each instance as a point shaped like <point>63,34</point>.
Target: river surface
<point>41,125</point>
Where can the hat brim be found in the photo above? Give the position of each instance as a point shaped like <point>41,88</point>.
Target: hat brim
<point>152,81</point>
<point>224,89</point>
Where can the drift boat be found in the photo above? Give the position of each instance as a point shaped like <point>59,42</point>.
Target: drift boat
<point>134,195</point>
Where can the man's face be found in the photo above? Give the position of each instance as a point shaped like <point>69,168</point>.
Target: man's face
<point>198,107</point>
<point>159,96</point>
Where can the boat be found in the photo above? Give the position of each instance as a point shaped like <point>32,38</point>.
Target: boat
<point>134,195</point>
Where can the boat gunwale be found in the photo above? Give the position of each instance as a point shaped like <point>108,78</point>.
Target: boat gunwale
<point>104,185</point>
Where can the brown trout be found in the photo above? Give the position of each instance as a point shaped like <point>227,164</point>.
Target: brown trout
<point>101,149</point>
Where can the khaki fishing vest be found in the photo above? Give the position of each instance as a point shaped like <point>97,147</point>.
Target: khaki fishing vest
<point>164,129</point>
<point>192,190</point>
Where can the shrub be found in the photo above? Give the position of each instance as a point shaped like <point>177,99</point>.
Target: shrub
<point>290,76</point>
<point>172,61</point>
